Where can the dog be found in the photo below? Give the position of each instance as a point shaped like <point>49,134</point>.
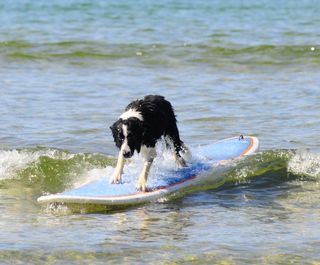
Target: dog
<point>139,128</point>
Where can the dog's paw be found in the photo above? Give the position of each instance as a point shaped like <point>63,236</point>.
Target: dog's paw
<point>141,187</point>
<point>185,153</point>
<point>181,162</point>
<point>115,179</point>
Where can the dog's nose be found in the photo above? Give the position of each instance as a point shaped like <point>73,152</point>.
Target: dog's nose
<point>127,154</point>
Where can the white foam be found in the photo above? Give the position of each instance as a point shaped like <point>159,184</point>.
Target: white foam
<point>92,175</point>
<point>11,161</point>
<point>164,162</point>
<point>305,163</point>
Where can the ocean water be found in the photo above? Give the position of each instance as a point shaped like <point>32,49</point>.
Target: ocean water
<point>67,70</point>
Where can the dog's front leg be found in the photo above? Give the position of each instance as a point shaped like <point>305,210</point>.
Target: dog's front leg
<point>149,153</point>
<point>142,183</point>
<point>116,177</point>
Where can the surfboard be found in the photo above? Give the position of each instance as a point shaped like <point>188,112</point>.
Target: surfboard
<point>207,159</point>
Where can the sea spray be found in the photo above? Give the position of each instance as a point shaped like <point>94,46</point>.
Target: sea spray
<point>305,164</point>
<point>12,161</point>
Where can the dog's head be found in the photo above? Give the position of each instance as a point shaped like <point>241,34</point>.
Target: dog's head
<point>127,135</point>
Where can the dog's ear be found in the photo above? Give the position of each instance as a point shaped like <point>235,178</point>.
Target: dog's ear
<point>116,134</point>
<point>113,128</point>
<point>138,134</point>
<point>140,127</point>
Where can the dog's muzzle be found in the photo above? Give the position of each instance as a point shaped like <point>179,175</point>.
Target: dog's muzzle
<point>127,154</point>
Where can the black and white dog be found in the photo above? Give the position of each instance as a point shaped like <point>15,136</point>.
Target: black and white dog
<point>139,128</point>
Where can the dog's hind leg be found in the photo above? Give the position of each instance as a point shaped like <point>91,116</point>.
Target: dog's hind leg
<point>178,147</point>
<point>180,161</point>
<point>116,177</point>
<point>149,154</point>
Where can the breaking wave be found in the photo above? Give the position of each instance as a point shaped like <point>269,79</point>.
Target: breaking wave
<point>48,170</point>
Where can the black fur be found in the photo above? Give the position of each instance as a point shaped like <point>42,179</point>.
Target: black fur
<point>135,132</point>
<point>158,120</point>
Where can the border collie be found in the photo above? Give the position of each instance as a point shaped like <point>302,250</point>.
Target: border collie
<point>139,128</point>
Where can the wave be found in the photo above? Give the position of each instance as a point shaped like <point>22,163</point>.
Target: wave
<point>153,54</point>
<point>305,164</point>
<point>283,165</point>
<point>49,170</point>
<point>29,173</point>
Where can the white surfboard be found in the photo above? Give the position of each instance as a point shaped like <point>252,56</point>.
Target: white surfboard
<point>209,158</point>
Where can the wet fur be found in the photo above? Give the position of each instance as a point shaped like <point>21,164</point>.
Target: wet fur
<point>139,128</point>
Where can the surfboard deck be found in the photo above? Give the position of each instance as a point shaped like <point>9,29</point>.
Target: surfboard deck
<point>208,159</point>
